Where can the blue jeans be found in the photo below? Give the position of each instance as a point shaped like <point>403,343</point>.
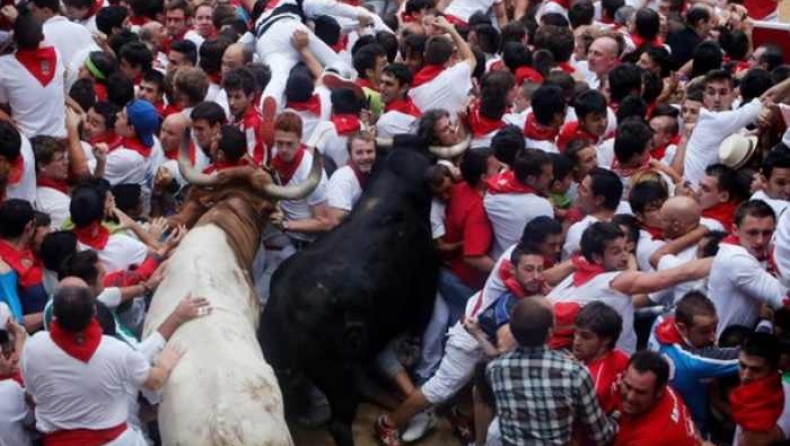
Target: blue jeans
<point>455,294</point>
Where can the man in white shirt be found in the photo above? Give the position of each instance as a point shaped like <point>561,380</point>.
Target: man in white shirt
<point>460,11</point>
<point>601,275</point>
<point>16,418</point>
<point>178,24</point>
<point>603,56</point>
<point>312,104</point>
<point>79,387</point>
<point>516,196</point>
<point>545,119</point>
<point>776,180</point>
<point>599,196</point>
<point>331,137</point>
<point>71,39</point>
<point>32,82</point>
<point>400,113</point>
<point>16,151</point>
<point>52,170</point>
<point>740,281</point>
<point>348,182</point>
<point>438,84</point>
<point>301,220</point>
<point>716,122</point>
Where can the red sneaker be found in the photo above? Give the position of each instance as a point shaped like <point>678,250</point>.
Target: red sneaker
<point>269,112</point>
<point>463,427</point>
<point>386,435</point>
<point>333,81</point>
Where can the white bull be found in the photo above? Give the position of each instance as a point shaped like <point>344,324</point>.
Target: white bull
<point>222,392</point>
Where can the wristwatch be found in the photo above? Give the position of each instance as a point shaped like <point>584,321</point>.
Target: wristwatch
<point>285,225</point>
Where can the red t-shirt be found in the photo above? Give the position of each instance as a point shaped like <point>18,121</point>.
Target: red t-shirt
<point>468,222</point>
<point>667,424</point>
<point>604,374</point>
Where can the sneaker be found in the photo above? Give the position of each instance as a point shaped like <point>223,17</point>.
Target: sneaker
<point>463,427</point>
<point>269,112</point>
<point>386,436</point>
<point>419,426</point>
<point>333,79</point>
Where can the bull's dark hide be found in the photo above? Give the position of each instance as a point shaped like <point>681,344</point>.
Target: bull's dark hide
<point>337,303</point>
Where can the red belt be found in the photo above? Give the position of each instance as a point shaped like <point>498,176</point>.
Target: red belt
<point>84,437</point>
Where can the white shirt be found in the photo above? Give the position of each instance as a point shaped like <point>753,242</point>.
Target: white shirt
<point>782,247</point>
<point>598,289</point>
<point>438,216</point>
<point>712,128</point>
<point>738,285</point>
<point>71,394</point>
<point>120,252</point>
<point>326,139</point>
<point>14,415</point>
<point>25,189</point>
<point>546,146</point>
<point>573,237</point>
<point>393,123</point>
<point>550,7</point>
<point>300,209</point>
<point>645,247</point>
<point>68,37</point>
<point>463,9</point>
<point>343,189</point>
<point>672,295</point>
<point>54,203</point>
<point>509,213</point>
<point>777,205</point>
<point>38,109</point>
<point>447,91</point>
<point>309,120</point>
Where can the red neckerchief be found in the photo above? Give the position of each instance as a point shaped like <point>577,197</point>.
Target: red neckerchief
<point>724,213</point>
<point>287,169</point>
<point>407,18</point>
<point>138,20</point>
<point>455,21</point>
<point>215,78</point>
<point>16,376</point>
<point>346,123</point>
<point>70,342</point>
<point>171,109</point>
<point>134,143</point>
<point>757,405</point>
<point>17,170</point>
<point>41,63</point>
<point>655,233</point>
<point>222,165</point>
<point>660,152</point>
<point>564,325</point>
<point>566,67</point>
<point>403,105</point>
<point>173,154</point>
<point>112,139</point>
<point>507,183</point>
<point>538,132</point>
<point>95,7</point>
<point>312,105</point>
<point>640,41</point>
<point>94,235</point>
<point>481,125</point>
<point>585,270</point>
<point>509,279</point>
<point>362,177</point>
<point>564,3</point>
<point>341,44</point>
<point>571,130</point>
<point>169,40</point>
<point>607,20</point>
<point>23,263</point>
<point>525,73</point>
<point>52,184</point>
<point>498,65</point>
<point>667,332</point>
<point>364,83</point>
<point>427,74</point>
<point>740,65</point>
<point>626,172</point>
<point>101,92</point>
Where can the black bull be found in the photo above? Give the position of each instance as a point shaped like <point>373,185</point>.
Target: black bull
<point>337,303</point>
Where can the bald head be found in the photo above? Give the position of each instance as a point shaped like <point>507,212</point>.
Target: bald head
<point>172,131</point>
<point>235,56</point>
<point>531,321</point>
<point>680,215</point>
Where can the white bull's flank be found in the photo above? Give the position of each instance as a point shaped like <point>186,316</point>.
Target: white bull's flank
<point>222,392</point>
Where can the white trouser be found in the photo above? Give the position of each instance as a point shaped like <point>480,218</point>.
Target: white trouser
<point>275,49</point>
<point>456,369</point>
<point>129,437</point>
<point>433,340</point>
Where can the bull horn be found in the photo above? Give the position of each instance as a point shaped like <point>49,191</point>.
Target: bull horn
<point>451,151</point>
<point>190,174</point>
<point>384,142</point>
<point>302,190</point>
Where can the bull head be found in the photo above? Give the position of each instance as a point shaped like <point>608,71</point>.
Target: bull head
<point>256,178</point>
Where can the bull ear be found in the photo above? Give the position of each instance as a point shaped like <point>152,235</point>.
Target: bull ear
<point>302,190</point>
<point>190,174</point>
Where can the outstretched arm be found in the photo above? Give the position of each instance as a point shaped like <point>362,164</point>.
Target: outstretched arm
<point>634,282</point>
